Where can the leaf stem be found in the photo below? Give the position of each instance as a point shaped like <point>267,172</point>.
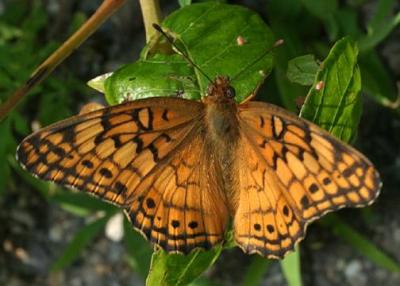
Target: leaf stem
<point>151,15</point>
<point>106,9</point>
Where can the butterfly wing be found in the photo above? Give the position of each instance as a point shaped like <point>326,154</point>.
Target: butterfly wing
<point>184,206</point>
<point>291,172</point>
<point>139,155</point>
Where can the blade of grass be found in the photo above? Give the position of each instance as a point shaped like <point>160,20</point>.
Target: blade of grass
<point>139,250</point>
<point>80,240</point>
<point>361,243</point>
<point>291,268</point>
<point>380,26</point>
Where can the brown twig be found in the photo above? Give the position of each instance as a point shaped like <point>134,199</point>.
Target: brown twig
<point>106,9</point>
<point>151,15</point>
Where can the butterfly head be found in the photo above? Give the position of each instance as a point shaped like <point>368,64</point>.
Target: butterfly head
<point>220,91</point>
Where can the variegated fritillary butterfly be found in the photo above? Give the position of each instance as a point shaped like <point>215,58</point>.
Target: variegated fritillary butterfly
<point>181,168</point>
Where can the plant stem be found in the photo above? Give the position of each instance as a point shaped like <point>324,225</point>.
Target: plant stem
<point>106,9</point>
<point>151,14</point>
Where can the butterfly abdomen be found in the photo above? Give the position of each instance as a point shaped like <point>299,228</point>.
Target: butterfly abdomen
<point>222,137</point>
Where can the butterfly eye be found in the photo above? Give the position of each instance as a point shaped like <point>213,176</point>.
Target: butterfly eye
<point>230,92</point>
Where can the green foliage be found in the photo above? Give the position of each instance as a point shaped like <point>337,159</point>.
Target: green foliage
<point>213,47</point>
<point>184,3</point>
<point>337,105</point>
<point>179,270</point>
<point>380,26</point>
<point>299,23</point>
<point>80,240</point>
<point>139,250</point>
<point>291,268</point>
<point>256,270</point>
<point>20,52</point>
<point>302,69</point>
<point>360,243</point>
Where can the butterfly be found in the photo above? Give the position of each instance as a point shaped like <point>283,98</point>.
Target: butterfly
<point>181,169</point>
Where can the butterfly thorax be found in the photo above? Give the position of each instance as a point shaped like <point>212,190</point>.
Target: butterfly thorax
<point>221,112</point>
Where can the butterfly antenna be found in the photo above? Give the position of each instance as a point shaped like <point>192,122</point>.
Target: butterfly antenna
<point>183,53</point>
<point>276,44</point>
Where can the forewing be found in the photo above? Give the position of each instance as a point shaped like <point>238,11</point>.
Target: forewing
<point>147,156</point>
<point>107,152</point>
<point>292,173</point>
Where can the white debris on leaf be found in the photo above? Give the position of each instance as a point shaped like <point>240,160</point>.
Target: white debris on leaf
<point>115,228</point>
<point>320,85</point>
<point>240,41</point>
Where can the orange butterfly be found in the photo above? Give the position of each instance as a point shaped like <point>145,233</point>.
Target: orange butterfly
<point>182,168</point>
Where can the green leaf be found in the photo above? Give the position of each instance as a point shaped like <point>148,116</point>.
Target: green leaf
<point>80,240</point>
<point>376,79</point>
<point>320,9</point>
<point>256,270</point>
<point>283,17</point>
<point>291,268</point>
<point>381,12</point>
<point>184,3</point>
<point>163,75</point>
<point>337,105</point>
<point>8,33</point>
<point>176,269</point>
<point>325,11</point>
<point>139,250</point>
<point>348,22</point>
<point>302,70</point>
<point>211,46</point>
<point>80,203</point>
<point>381,25</point>
<point>359,242</point>
<point>204,281</point>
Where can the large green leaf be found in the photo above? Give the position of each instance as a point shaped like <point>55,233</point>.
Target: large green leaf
<point>176,269</point>
<point>160,75</point>
<point>208,34</point>
<point>336,105</point>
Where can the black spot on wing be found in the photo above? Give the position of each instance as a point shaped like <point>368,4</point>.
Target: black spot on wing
<point>106,173</point>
